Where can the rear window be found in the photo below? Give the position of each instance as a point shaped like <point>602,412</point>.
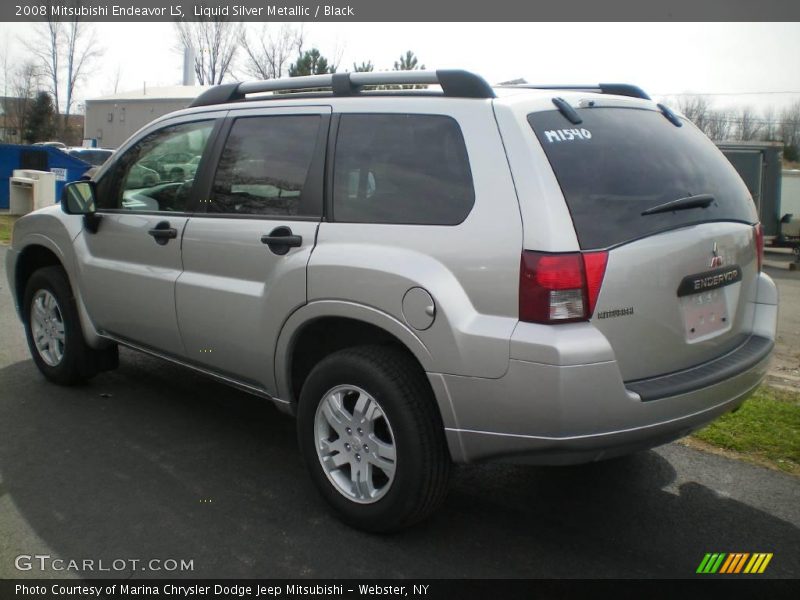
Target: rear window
<point>619,162</point>
<point>401,168</point>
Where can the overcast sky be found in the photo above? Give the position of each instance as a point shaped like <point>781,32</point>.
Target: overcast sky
<point>741,63</point>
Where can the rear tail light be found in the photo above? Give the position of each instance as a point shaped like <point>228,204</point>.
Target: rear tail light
<point>759,244</point>
<point>560,288</point>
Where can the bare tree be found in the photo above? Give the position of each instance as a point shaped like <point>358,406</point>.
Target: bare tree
<point>697,109</point>
<point>117,77</point>
<point>46,47</point>
<point>769,130</point>
<point>716,124</point>
<point>80,48</point>
<point>336,57</point>
<point>719,125</point>
<point>214,44</point>
<point>790,132</point>
<point>749,127</point>
<point>268,53</point>
<point>4,59</point>
<point>6,81</point>
<point>790,124</point>
<point>25,82</point>
<point>63,52</point>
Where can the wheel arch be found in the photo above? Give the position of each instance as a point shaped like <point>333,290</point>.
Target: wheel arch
<point>325,326</point>
<point>31,258</point>
<point>39,252</point>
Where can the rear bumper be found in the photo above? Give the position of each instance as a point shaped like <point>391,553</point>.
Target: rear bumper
<point>543,413</point>
<point>603,433</point>
<point>751,352</point>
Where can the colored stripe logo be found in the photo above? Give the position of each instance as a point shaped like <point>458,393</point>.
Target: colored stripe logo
<point>734,563</point>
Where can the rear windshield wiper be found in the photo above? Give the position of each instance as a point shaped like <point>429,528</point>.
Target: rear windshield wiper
<point>699,201</point>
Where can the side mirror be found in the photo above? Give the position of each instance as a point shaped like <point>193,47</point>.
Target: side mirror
<point>787,218</point>
<point>78,198</point>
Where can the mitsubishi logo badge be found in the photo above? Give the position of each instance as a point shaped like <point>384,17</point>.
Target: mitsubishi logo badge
<point>716,259</point>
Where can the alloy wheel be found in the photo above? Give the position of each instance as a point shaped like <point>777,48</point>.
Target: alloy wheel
<point>355,444</point>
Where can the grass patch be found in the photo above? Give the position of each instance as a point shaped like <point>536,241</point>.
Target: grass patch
<point>765,429</point>
<point>6,225</point>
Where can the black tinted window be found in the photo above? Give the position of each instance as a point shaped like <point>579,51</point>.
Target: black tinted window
<point>263,167</point>
<point>620,162</point>
<point>397,168</point>
<point>144,179</point>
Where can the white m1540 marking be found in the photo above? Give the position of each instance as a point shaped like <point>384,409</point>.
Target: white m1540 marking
<point>567,135</point>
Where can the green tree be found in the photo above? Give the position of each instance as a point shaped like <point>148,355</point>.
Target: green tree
<point>408,62</point>
<point>311,62</point>
<point>364,67</point>
<point>41,122</point>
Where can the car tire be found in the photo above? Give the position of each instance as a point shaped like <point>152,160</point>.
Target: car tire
<point>53,330</point>
<point>384,391</point>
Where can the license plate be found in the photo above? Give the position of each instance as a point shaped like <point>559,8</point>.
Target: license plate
<point>704,313</point>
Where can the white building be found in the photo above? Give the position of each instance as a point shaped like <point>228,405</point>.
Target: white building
<point>790,193</point>
<point>110,120</point>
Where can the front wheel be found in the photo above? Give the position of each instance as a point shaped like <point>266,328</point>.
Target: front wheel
<point>53,330</point>
<point>372,438</point>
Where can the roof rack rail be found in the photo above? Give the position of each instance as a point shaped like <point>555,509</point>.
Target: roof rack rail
<point>455,84</point>
<point>618,89</point>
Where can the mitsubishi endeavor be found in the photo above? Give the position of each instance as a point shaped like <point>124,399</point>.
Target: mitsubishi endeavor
<point>422,277</point>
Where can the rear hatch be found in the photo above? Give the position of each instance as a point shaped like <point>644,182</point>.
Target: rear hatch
<point>679,276</point>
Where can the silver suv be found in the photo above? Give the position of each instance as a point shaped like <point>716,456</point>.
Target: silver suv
<point>421,276</point>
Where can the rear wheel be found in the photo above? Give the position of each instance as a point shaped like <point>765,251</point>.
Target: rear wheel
<point>372,438</point>
<point>54,333</point>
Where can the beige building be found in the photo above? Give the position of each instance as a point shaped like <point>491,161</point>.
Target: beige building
<point>110,120</point>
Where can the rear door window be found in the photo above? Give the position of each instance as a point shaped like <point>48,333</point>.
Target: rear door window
<point>264,166</point>
<point>619,162</point>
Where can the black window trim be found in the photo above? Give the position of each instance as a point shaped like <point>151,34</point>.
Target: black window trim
<point>315,179</point>
<point>330,159</point>
<point>331,167</point>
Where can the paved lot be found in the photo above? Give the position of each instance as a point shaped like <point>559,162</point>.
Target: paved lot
<point>153,461</point>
